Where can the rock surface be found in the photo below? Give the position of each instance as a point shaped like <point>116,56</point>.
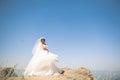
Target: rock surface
<point>81,73</point>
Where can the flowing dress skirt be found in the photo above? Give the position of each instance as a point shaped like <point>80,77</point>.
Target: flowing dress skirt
<point>42,63</point>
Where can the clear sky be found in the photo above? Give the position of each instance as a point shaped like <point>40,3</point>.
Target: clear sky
<point>82,32</point>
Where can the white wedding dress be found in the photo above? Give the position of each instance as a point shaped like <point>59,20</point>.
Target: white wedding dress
<point>42,63</point>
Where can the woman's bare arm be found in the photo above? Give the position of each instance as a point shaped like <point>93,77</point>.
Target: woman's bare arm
<point>43,47</point>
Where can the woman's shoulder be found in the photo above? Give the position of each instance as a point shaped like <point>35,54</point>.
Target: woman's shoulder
<point>44,45</point>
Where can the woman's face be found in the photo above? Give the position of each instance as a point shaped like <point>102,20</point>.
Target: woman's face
<point>43,41</point>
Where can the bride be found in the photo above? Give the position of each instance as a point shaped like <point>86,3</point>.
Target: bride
<point>42,62</point>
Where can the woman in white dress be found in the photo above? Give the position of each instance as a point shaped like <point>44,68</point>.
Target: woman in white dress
<point>42,62</point>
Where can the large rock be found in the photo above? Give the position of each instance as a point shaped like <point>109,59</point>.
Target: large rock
<point>81,73</point>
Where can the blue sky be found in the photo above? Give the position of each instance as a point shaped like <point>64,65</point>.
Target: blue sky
<point>82,33</point>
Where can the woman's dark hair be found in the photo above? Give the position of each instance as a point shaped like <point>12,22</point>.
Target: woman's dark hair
<point>43,39</point>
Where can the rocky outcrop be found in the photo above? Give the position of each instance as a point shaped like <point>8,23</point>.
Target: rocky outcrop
<point>81,73</point>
